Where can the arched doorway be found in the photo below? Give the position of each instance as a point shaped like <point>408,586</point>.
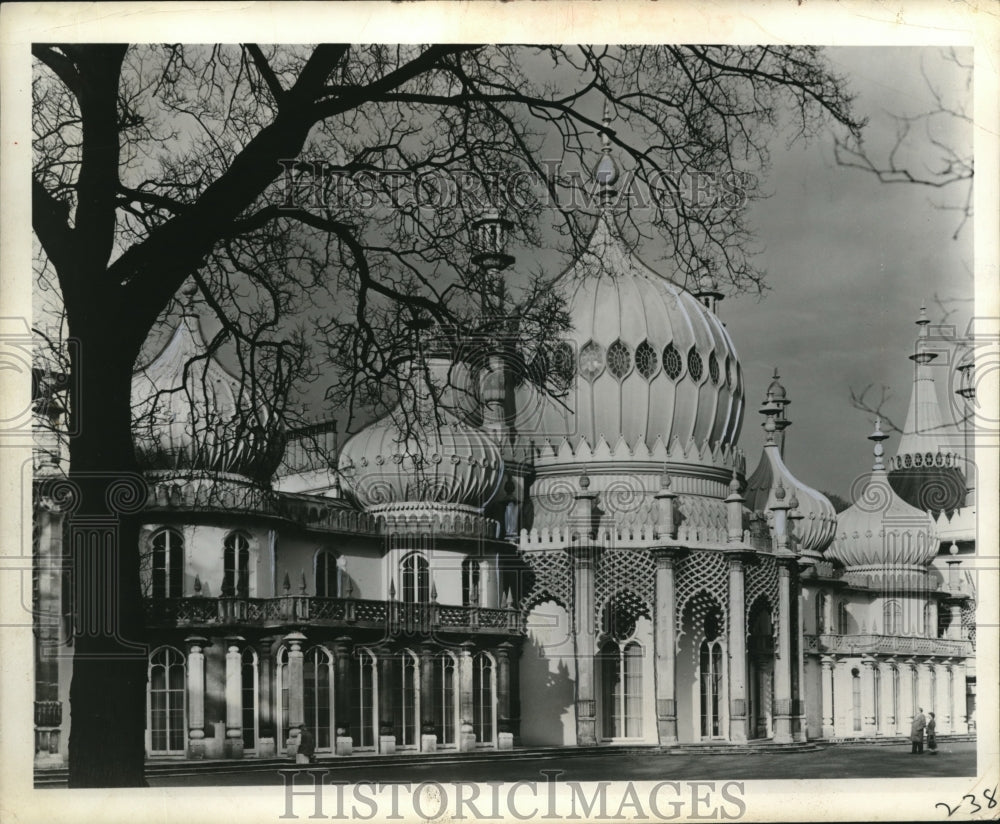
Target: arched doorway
<point>166,721</point>
<point>620,659</point>
<point>702,671</point>
<point>760,668</point>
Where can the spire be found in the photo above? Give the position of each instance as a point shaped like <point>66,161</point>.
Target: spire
<point>606,173</point>
<point>780,397</point>
<point>877,437</point>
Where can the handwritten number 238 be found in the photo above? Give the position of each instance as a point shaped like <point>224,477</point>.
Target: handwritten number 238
<point>989,795</point>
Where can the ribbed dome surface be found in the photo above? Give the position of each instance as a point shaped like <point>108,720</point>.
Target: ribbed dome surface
<point>189,414</point>
<point>419,456</point>
<point>643,359</point>
<point>881,530</point>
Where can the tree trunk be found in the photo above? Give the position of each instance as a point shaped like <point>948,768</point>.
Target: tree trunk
<point>108,690</point>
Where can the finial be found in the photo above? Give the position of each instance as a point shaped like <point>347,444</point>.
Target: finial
<point>606,173</point>
<point>302,583</point>
<point>197,584</point>
<point>734,484</point>
<point>776,376</point>
<point>286,585</point>
<point>779,491</point>
<point>665,479</point>
<point>923,320</point>
<point>878,436</point>
<point>953,549</point>
<point>188,293</point>
<point>584,481</point>
<point>392,589</point>
<point>434,591</point>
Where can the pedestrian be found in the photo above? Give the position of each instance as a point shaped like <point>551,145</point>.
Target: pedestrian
<point>931,735</point>
<point>307,747</point>
<point>917,732</point>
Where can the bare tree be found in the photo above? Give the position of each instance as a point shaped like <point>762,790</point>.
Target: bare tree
<point>155,164</point>
<point>932,148</point>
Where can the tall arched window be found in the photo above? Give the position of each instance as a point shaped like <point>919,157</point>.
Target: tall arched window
<point>892,618</point>
<point>711,689</point>
<point>470,582</point>
<point>445,708</point>
<point>317,695</point>
<point>842,619</point>
<point>927,620</point>
<point>821,626</point>
<point>483,698</point>
<point>166,702</point>
<point>236,566</point>
<point>416,579</point>
<point>281,689</point>
<point>168,564</point>
<point>249,692</point>
<point>363,700</point>
<point>406,699</point>
<point>328,575</point>
<point>621,689</point>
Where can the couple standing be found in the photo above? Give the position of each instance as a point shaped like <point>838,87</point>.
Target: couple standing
<point>917,733</point>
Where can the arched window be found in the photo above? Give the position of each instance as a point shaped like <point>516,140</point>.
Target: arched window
<point>711,689</point>
<point>445,709</point>
<point>249,692</point>
<point>470,583</point>
<point>363,700</point>
<point>821,613</point>
<point>483,698</point>
<point>842,616</point>
<point>317,695</point>
<point>236,566</point>
<point>166,702</point>
<point>406,702</point>
<point>621,689</point>
<point>168,564</point>
<point>591,360</point>
<point>892,618</point>
<point>695,365</point>
<point>281,687</point>
<point>619,359</point>
<point>328,575</point>
<point>416,579</point>
<point>713,367</point>
<point>561,364</point>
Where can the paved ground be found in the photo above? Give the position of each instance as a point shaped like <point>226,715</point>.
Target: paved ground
<point>841,761</point>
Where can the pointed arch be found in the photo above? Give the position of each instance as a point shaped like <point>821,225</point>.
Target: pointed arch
<point>166,702</point>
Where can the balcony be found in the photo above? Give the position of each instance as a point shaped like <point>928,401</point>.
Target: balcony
<point>393,617</point>
<point>888,645</point>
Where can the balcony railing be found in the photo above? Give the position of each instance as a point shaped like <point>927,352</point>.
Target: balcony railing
<point>888,644</point>
<point>394,616</point>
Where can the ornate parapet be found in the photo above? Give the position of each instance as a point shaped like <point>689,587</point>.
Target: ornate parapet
<point>887,645</point>
<point>208,492</point>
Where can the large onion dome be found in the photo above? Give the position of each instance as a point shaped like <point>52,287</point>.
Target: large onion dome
<point>813,516</point>
<point>881,536</point>
<point>926,470</point>
<point>191,414</point>
<point>643,360</point>
<point>419,454</point>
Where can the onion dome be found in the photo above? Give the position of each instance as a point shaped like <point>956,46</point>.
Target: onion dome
<point>643,360</point>
<point>881,536</point>
<point>191,414</point>
<point>419,454</point>
<point>813,516</point>
<point>925,472</point>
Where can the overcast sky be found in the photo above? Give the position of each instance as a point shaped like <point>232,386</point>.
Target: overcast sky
<point>849,260</point>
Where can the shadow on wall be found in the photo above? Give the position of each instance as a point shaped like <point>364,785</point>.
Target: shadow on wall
<point>548,679</point>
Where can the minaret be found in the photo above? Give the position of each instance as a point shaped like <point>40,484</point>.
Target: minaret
<point>925,472</point>
<point>777,392</point>
<point>606,174</point>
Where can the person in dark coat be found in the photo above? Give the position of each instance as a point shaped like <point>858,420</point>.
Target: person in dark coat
<point>917,732</point>
<point>307,747</point>
<point>931,735</point>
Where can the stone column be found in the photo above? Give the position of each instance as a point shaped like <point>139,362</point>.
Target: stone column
<point>926,699</point>
<point>959,722</point>
<point>666,647</point>
<point>196,695</point>
<point>343,743</point>
<point>296,691</point>
<point>386,686</point>
<point>505,736</point>
<point>585,643</point>
<point>942,702</point>
<point>428,733</point>
<point>466,735</point>
<point>955,621</point>
<point>737,651</point>
<point>827,663</point>
<point>868,695</point>
<point>783,659</point>
<point>266,745</point>
<point>906,696</point>
<point>889,720</point>
<point>799,673</point>
<point>233,747</point>
<point>487,584</point>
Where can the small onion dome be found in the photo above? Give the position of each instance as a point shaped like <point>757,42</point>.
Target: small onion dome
<point>775,389</point>
<point>643,359</point>
<point>882,531</point>
<point>816,520</point>
<point>423,457</point>
<point>190,413</point>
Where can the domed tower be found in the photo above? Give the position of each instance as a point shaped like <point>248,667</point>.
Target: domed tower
<point>421,460</point>
<point>811,513</point>
<point>926,470</point>
<point>652,381</point>
<point>882,540</point>
<point>192,417</point>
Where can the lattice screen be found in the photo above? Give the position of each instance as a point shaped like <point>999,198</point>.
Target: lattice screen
<point>553,575</point>
<point>761,578</point>
<point>624,569</point>
<point>701,570</point>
